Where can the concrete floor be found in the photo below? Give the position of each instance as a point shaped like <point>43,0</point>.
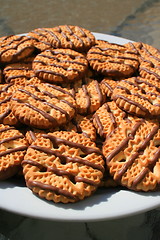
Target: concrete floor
<point>138,20</point>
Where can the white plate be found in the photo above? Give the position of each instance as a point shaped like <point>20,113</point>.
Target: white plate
<point>103,205</point>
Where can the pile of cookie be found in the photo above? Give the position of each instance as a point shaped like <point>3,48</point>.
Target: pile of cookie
<point>78,113</point>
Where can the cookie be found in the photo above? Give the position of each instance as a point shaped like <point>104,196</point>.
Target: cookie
<point>113,60</point>
<point>108,85</point>
<point>132,155</point>
<point>60,65</point>
<point>43,106</point>
<point>13,148</point>
<point>63,167</point>
<point>89,97</point>
<point>149,58</point>
<point>32,134</point>
<point>107,118</point>
<point>18,72</point>
<point>40,39</point>
<point>14,48</point>
<point>72,37</point>
<point>81,124</point>
<point>6,115</point>
<point>138,96</point>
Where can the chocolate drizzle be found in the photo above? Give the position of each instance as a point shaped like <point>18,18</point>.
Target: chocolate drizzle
<point>65,158</point>
<point>124,143</point>
<point>139,151</point>
<point>88,100</point>
<point>11,139</point>
<point>13,150</point>
<point>57,140</point>
<point>11,45</point>
<point>32,184</point>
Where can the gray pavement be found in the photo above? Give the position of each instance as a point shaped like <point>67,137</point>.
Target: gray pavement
<point>138,20</point>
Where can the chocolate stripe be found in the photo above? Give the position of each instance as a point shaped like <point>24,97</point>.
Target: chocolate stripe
<point>6,129</point>
<point>138,152</point>
<point>11,138</point>
<point>99,124</point>
<point>124,142</point>
<point>57,140</point>
<point>132,102</point>
<point>22,148</point>
<point>32,184</point>
<point>46,103</point>
<point>43,113</point>
<point>152,163</point>
<point>67,158</point>
<point>88,100</point>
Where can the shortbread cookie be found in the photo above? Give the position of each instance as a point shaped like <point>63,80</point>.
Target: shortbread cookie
<point>43,105</point>
<point>14,48</point>
<point>60,65</point>
<point>13,147</point>
<point>89,97</point>
<point>113,60</point>
<point>107,118</point>
<point>81,124</point>
<point>32,134</point>
<point>18,72</point>
<point>132,155</point>
<point>138,96</point>
<point>108,85</point>
<point>6,115</point>
<point>149,58</point>
<point>73,37</point>
<point>63,167</point>
<point>40,38</point>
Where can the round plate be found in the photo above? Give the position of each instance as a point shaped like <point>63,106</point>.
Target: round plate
<point>104,204</point>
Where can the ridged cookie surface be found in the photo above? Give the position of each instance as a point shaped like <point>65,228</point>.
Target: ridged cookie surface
<point>132,155</point>
<point>63,167</point>
<point>12,150</point>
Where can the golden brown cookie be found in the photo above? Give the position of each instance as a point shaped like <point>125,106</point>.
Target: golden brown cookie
<point>13,147</point>
<point>139,96</point>
<point>32,134</point>
<point>63,167</point>
<point>43,105</point>
<point>108,117</point>
<point>14,48</point>
<point>149,58</point>
<point>40,38</point>
<point>6,115</point>
<point>72,37</point>
<point>81,124</point>
<point>18,72</point>
<point>89,97</point>
<point>108,85</point>
<point>132,155</point>
<point>60,65</point>
<point>113,60</point>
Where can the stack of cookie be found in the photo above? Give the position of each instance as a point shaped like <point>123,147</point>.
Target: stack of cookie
<point>76,112</point>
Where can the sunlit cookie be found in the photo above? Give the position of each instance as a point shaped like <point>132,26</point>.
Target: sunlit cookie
<point>138,96</point>
<point>43,105</point>
<point>72,37</point>
<point>6,115</point>
<point>132,155</point>
<point>12,150</point>
<point>60,65</point>
<point>113,60</point>
<point>63,167</point>
<point>14,48</point>
<point>89,97</point>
